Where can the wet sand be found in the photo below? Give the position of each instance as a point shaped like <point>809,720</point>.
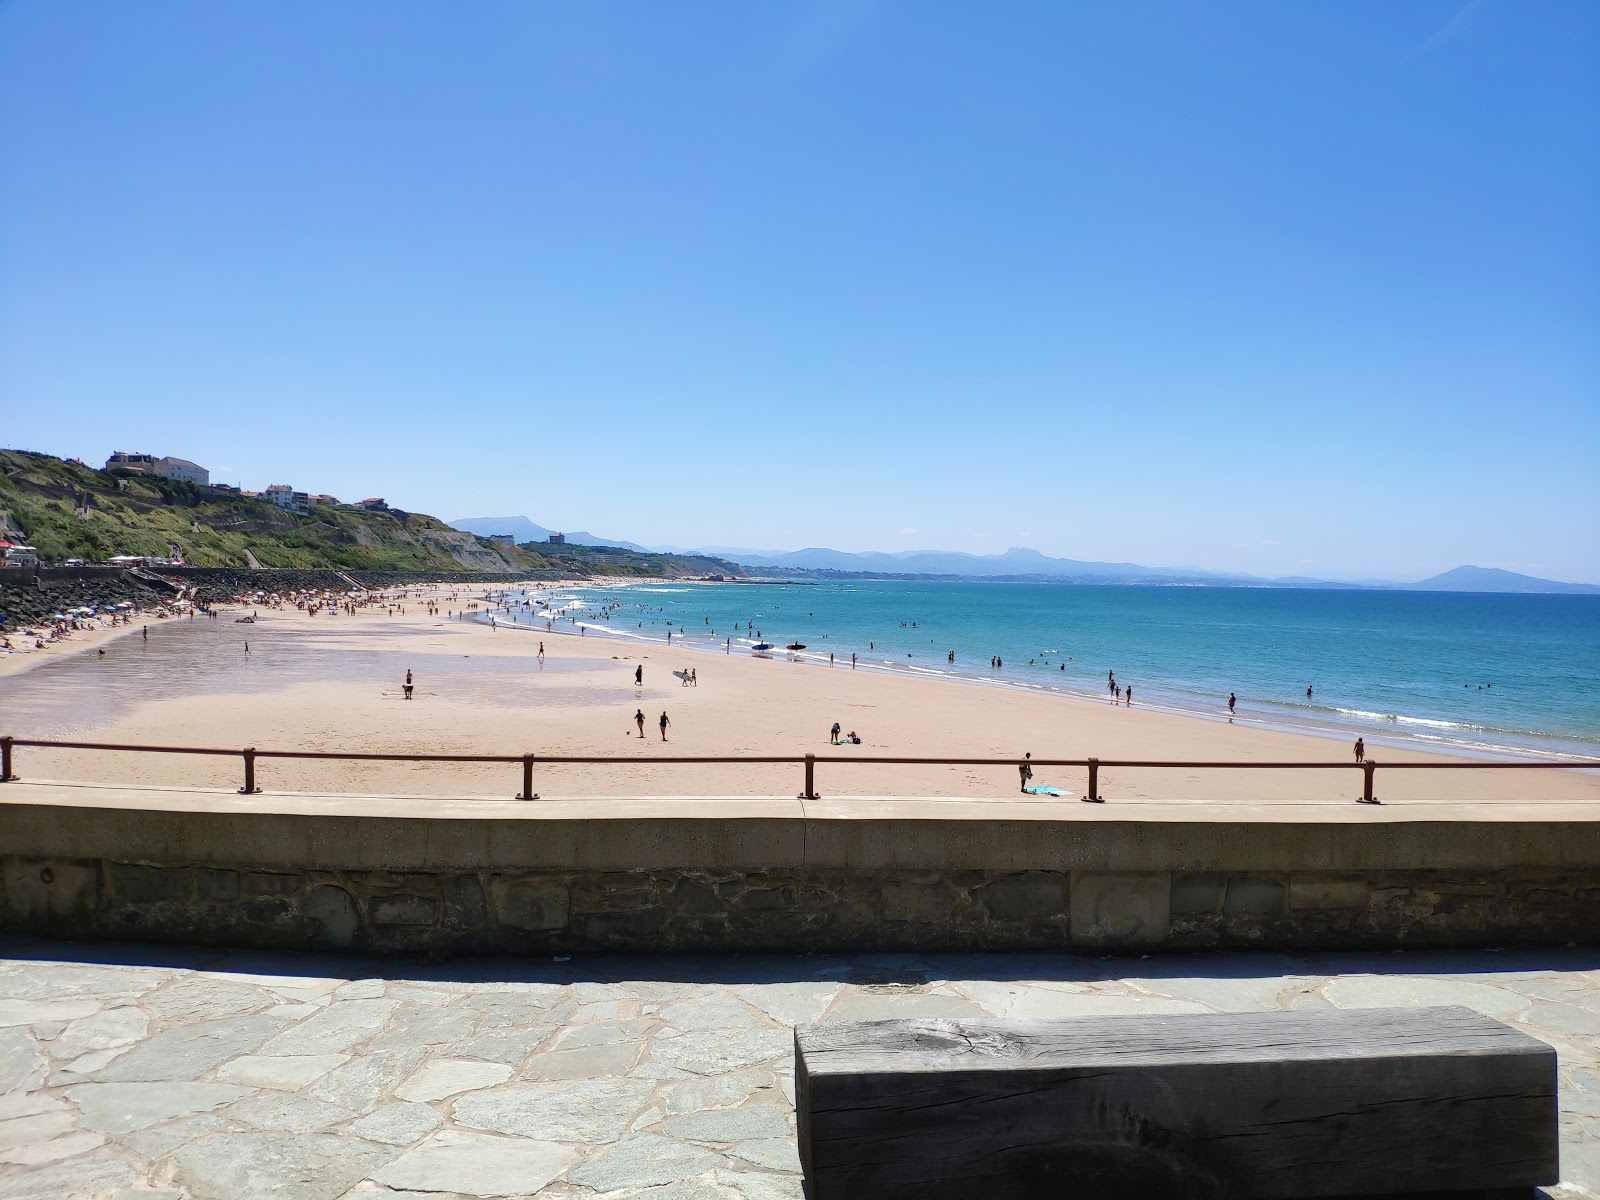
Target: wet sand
<point>332,683</point>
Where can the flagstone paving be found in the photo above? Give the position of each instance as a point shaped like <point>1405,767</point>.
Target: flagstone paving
<point>153,1073</point>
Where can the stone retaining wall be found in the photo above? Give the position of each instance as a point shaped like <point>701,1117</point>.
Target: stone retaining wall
<point>435,874</point>
<point>794,910</point>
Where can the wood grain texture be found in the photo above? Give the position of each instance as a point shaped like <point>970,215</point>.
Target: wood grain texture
<point>1275,1106</point>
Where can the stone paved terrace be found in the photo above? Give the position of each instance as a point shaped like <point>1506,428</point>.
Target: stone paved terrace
<point>151,1072</point>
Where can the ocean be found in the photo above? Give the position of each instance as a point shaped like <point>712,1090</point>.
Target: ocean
<point>1475,673</point>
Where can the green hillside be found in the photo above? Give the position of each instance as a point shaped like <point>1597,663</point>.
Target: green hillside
<point>72,511</point>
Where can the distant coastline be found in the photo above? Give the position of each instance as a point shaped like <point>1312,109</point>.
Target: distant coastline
<point>1016,565</point>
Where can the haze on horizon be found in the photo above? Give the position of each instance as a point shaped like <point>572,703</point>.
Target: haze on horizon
<point>1279,289</point>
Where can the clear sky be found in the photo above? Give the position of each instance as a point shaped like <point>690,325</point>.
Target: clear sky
<point>1287,288</point>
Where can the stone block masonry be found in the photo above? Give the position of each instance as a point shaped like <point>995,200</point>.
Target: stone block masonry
<point>396,875</point>
<point>791,910</point>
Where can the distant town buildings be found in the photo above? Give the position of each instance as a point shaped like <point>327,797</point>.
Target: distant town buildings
<point>167,467</point>
<point>123,461</point>
<point>183,470</point>
<point>374,504</point>
<point>285,497</point>
<point>15,555</point>
<point>557,539</point>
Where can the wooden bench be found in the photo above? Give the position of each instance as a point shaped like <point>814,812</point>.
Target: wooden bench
<point>1278,1106</point>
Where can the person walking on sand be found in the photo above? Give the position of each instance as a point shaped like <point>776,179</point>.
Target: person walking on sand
<point>694,677</point>
<point>663,722</point>
<point>1361,750</point>
<point>852,662</point>
<point>638,675</point>
<point>1231,702</point>
<point>1025,769</point>
<point>407,685</point>
<point>833,734</point>
<point>541,651</point>
<point>638,719</point>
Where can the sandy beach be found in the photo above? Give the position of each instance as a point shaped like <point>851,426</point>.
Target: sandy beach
<point>333,682</point>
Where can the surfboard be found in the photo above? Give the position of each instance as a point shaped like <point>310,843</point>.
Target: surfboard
<point>1043,790</point>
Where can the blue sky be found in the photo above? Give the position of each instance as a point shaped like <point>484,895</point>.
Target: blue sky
<point>1282,288</point>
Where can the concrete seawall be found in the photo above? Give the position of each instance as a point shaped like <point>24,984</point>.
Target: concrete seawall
<point>416,874</point>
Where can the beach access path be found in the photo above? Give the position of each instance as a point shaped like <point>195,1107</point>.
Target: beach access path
<point>333,682</point>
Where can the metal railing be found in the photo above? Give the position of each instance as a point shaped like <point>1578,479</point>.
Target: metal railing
<point>249,755</point>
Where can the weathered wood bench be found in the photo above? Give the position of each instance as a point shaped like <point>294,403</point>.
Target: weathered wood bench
<point>1279,1106</point>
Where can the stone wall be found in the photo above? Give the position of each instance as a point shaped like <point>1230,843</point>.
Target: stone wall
<point>793,910</point>
<point>438,874</point>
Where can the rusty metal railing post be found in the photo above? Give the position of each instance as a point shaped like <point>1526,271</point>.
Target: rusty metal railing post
<point>1368,769</point>
<point>249,788</point>
<point>5,760</point>
<point>811,779</point>
<point>527,792</point>
<point>1094,782</point>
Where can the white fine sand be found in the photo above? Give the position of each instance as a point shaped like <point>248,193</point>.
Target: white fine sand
<point>484,691</point>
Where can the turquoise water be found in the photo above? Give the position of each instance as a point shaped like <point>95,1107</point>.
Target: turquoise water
<point>1485,673</point>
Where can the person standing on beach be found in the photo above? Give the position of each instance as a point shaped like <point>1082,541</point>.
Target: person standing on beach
<point>1128,692</point>
<point>852,662</point>
<point>541,651</point>
<point>408,685</point>
<point>663,723</point>
<point>1361,750</point>
<point>147,633</point>
<point>833,734</point>
<point>1230,703</point>
<point>638,675</point>
<point>1025,769</point>
<point>638,719</point>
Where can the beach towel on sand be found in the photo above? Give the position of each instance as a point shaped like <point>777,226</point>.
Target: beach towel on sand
<point>1042,790</point>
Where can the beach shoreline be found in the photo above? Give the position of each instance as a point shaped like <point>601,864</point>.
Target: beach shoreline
<point>1380,737</point>
<point>332,683</point>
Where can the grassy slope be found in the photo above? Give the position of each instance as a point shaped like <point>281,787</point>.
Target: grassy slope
<point>151,515</point>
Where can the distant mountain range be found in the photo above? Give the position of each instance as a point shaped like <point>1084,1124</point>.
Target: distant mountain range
<point>525,530</point>
<point>1019,562</point>
<point>1493,579</point>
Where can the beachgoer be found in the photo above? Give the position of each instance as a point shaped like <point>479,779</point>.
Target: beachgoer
<point>1025,770</point>
<point>1128,693</point>
<point>833,734</point>
<point>1231,702</point>
<point>1308,692</point>
<point>638,675</point>
<point>663,722</point>
<point>1361,750</point>
<point>147,633</point>
<point>638,719</point>
<point>407,685</point>
<point>852,662</point>
<point>694,677</point>
<point>830,658</point>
